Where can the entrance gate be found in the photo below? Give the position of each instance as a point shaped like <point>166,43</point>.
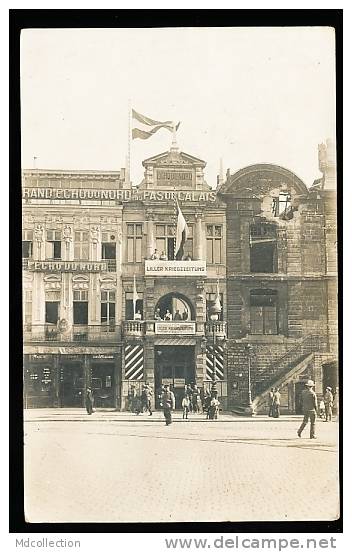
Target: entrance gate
<point>174,365</point>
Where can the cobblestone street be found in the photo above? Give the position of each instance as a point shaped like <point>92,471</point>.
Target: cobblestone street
<point>117,467</point>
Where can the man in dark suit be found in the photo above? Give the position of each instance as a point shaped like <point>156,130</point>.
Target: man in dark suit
<point>310,409</point>
<point>168,403</point>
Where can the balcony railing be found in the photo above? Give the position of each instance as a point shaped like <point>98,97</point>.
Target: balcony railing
<point>77,333</point>
<point>139,328</point>
<point>216,327</point>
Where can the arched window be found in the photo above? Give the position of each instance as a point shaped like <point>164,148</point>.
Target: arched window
<point>174,306</point>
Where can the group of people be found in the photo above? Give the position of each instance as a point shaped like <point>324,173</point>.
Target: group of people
<point>168,315</point>
<point>156,256</point>
<point>143,403</point>
<point>310,407</point>
<point>192,402</point>
<point>274,402</point>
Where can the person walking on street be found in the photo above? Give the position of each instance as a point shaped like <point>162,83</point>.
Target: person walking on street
<point>328,402</point>
<point>276,403</point>
<point>206,404</point>
<point>310,409</point>
<point>271,402</point>
<point>148,393</point>
<point>168,404</point>
<point>89,400</point>
<point>185,406</point>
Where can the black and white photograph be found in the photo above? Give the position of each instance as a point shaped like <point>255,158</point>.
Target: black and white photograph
<point>179,274</point>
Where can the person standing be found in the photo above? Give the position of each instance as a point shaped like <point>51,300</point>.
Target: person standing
<point>328,402</point>
<point>276,403</point>
<point>148,393</point>
<point>271,402</point>
<point>168,404</point>
<point>310,409</point>
<point>89,400</point>
<point>195,399</point>
<point>185,406</point>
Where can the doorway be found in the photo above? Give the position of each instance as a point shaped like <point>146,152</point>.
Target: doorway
<point>174,365</point>
<point>103,384</point>
<point>72,384</point>
<point>299,387</point>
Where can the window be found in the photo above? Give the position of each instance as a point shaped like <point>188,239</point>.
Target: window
<point>27,315</point>
<point>107,308</point>
<point>263,248</point>
<point>210,302</point>
<point>188,249</point>
<point>108,246</point>
<point>214,241</point>
<point>165,240</point>
<point>281,204</point>
<point>81,247</point>
<point>129,314</point>
<point>263,312</point>
<point>27,244</point>
<point>53,244</point>
<point>80,307</point>
<point>52,305</point>
<point>134,243</point>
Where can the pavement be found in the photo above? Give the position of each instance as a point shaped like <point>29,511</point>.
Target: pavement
<point>119,467</point>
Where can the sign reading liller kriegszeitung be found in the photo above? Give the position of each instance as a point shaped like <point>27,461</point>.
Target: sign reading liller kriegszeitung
<point>175,268</point>
<point>117,195</point>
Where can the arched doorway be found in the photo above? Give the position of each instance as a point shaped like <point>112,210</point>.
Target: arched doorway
<point>178,305</point>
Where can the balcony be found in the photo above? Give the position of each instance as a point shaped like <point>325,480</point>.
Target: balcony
<point>175,268</point>
<point>76,334</point>
<point>216,328</point>
<point>139,328</point>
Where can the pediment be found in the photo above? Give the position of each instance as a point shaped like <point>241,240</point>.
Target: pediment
<point>174,158</point>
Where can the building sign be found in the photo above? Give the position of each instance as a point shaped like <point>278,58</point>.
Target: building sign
<point>103,357</point>
<point>174,328</point>
<point>117,195</point>
<point>166,177</point>
<point>66,266</point>
<point>179,382</point>
<point>175,268</point>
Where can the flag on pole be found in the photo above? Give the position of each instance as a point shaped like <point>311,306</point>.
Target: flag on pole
<point>148,127</point>
<point>135,296</point>
<point>181,233</point>
<point>217,302</point>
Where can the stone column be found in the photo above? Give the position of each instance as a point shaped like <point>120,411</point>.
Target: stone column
<point>150,235</point>
<point>198,252</point>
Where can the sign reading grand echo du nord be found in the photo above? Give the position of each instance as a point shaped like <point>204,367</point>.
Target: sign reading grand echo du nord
<point>118,195</point>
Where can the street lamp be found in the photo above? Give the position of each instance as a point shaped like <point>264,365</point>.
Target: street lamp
<point>249,407</point>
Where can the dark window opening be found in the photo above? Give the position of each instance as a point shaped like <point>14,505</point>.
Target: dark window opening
<point>80,312</point>
<point>107,308</point>
<point>214,244</point>
<point>27,249</point>
<point>108,250</point>
<point>52,312</point>
<point>263,312</point>
<point>129,314</point>
<point>175,305</point>
<point>263,248</point>
<point>281,205</point>
<point>53,244</point>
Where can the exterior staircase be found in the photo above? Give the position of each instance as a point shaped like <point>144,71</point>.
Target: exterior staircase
<point>293,363</point>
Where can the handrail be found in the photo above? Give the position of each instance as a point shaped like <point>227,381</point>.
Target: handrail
<point>309,344</point>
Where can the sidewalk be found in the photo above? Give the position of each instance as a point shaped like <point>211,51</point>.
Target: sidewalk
<point>110,415</point>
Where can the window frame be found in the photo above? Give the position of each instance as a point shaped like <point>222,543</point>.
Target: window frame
<point>132,239</point>
<point>214,251</point>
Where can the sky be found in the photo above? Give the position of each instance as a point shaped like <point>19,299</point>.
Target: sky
<point>246,95</point>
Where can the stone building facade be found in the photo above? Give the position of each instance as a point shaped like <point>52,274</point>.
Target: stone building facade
<point>100,280</point>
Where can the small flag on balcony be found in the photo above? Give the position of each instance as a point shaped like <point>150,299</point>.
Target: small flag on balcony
<point>217,303</point>
<point>135,296</point>
<point>181,234</point>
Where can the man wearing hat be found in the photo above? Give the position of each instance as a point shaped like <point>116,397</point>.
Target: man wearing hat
<point>328,402</point>
<point>310,409</point>
<point>168,403</point>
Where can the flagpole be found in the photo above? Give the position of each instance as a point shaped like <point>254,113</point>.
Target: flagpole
<point>128,159</point>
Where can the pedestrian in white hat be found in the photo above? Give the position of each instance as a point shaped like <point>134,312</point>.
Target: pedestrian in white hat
<point>328,401</point>
<point>310,409</point>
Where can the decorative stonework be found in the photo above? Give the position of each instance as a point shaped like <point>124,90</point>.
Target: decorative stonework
<point>67,233</point>
<point>39,233</point>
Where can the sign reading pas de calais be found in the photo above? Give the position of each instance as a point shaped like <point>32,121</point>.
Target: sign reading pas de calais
<point>118,195</point>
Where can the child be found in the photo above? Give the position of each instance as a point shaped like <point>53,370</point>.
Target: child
<point>214,408</point>
<point>321,409</point>
<point>185,406</point>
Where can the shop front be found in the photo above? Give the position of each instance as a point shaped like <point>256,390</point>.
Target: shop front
<point>175,366</point>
